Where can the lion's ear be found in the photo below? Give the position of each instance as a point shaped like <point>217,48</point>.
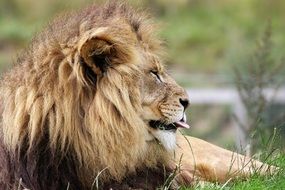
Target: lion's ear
<point>96,50</point>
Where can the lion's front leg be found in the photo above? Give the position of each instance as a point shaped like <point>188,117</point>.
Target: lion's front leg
<point>200,159</point>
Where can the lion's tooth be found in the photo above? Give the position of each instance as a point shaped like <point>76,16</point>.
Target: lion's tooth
<point>184,118</point>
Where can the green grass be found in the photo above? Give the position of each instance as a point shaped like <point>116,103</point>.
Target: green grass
<point>255,182</point>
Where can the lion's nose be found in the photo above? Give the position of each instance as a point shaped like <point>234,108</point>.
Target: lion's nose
<point>184,102</point>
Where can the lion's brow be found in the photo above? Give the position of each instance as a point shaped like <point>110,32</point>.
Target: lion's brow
<point>160,67</point>
<point>157,65</point>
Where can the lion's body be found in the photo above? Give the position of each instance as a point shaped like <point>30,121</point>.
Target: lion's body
<point>79,100</point>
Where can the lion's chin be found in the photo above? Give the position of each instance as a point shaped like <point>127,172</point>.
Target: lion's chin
<point>167,138</point>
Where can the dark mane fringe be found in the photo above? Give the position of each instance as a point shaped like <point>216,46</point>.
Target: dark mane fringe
<point>39,168</point>
<point>41,171</point>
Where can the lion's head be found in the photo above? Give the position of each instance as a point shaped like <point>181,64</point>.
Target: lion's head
<point>92,87</point>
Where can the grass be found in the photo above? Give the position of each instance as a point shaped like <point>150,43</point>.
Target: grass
<point>272,153</point>
<point>255,182</point>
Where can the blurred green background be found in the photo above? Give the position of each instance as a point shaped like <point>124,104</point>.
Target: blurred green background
<point>204,39</point>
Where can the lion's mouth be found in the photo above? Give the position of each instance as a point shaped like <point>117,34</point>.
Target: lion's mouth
<point>172,126</point>
<point>164,132</point>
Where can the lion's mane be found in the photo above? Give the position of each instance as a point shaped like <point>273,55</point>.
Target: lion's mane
<point>60,127</point>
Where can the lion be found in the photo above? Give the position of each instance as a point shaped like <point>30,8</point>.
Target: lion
<point>90,104</point>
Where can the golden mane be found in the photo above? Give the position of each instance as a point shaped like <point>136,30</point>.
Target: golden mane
<point>51,97</point>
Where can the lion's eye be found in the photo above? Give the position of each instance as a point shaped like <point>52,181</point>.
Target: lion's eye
<point>156,75</point>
